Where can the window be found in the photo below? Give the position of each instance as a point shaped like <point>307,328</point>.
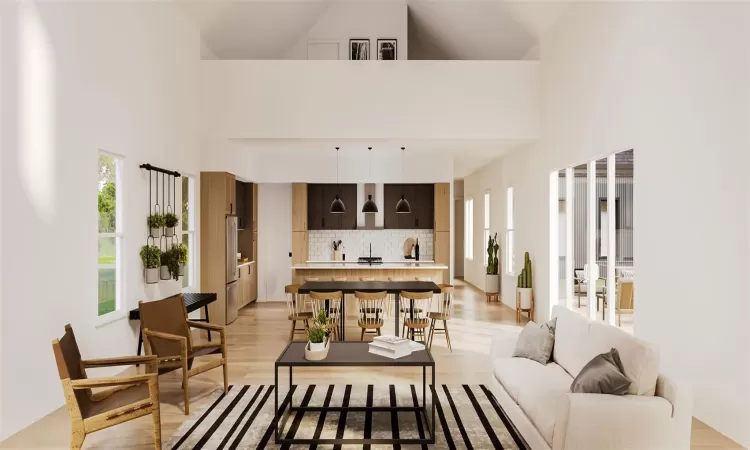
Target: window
<point>469,229</point>
<point>188,229</point>
<point>110,261</point>
<point>509,238</point>
<point>486,224</point>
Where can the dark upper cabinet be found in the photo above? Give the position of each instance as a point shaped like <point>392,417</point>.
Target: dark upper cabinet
<point>319,199</point>
<point>243,205</point>
<point>420,198</point>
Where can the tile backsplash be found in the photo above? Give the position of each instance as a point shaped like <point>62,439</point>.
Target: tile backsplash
<point>388,244</point>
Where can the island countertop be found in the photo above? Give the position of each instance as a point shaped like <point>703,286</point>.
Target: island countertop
<point>352,265</point>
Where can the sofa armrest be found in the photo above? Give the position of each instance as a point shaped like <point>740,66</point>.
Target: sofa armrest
<point>680,395</point>
<point>598,421</point>
<point>503,343</point>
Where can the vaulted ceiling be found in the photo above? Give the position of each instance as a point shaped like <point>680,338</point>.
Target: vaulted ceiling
<point>457,29</point>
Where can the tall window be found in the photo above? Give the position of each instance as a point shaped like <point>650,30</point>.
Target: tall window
<point>486,223</point>
<point>469,229</point>
<point>110,259</point>
<point>509,237</point>
<point>188,228</point>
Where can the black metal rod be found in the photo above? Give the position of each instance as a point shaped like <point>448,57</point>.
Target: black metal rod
<point>159,169</point>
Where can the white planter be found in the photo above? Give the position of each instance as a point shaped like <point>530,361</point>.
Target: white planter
<point>152,276</point>
<point>491,283</point>
<point>156,233</point>
<point>525,295</point>
<point>182,270</point>
<point>337,255</point>
<point>169,231</point>
<point>164,273</point>
<point>317,346</point>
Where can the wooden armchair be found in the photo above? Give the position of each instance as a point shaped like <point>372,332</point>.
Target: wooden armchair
<point>166,333</point>
<point>128,398</point>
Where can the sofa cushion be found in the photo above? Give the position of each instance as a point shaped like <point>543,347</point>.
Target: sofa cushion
<point>540,404</point>
<point>640,360</point>
<point>535,342</point>
<point>521,376</point>
<point>571,340</point>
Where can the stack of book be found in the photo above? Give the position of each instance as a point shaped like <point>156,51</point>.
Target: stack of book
<point>393,347</point>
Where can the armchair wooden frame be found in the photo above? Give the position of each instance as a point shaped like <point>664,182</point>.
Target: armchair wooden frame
<point>175,351</point>
<point>124,401</point>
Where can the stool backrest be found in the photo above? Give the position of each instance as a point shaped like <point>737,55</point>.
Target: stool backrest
<point>371,307</point>
<point>293,304</point>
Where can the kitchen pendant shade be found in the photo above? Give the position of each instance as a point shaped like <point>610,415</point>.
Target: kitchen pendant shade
<point>369,206</point>
<point>337,206</point>
<point>403,207</point>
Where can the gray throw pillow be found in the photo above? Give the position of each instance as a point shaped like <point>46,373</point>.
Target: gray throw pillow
<point>536,341</point>
<point>602,375</point>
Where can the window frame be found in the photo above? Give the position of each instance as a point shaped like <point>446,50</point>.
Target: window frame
<point>469,228</point>
<point>190,232</point>
<point>119,235</point>
<point>486,224</point>
<point>509,232</point>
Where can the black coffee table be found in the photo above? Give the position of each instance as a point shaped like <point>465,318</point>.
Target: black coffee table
<point>351,354</point>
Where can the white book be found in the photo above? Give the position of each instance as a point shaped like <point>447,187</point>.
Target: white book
<point>395,354</point>
<point>392,342</point>
<point>416,346</point>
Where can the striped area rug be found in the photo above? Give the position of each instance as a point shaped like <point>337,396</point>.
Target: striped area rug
<point>468,416</point>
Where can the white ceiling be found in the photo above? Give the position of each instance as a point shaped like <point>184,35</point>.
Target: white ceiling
<point>457,29</point>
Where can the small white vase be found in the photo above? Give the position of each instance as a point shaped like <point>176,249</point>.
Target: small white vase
<point>337,255</point>
<point>164,273</point>
<point>182,270</point>
<point>317,346</point>
<point>525,295</point>
<point>491,283</point>
<point>169,231</point>
<point>152,276</point>
<point>156,233</point>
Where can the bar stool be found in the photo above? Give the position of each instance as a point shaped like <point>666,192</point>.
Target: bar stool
<point>371,311</point>
<point>307,297</point>
<point>296,311</point>
<point>334,309</point>
<point>442,312</point>
<point>417,322</point>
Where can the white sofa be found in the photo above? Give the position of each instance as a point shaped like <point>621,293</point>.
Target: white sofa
<point>656,414</point>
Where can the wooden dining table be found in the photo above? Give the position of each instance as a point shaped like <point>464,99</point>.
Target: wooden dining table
<point>391,287</point>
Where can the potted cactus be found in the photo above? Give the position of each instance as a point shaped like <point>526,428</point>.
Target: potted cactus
<point>155,223</point>
<point>151,256</point>
<point>491,278</point>
<point>170,222</point>
<point>525,283</point>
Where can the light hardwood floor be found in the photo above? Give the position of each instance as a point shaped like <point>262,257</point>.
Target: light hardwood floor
<point>256,339</point>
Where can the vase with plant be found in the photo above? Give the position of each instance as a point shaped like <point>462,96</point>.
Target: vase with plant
<point>491,278</point>
<point>155,224</point>
<point>151,257</point>
<point>172,261</point>
<point>316,337</point>
<point>164,267</point>
<point>525,283</point>
<point>183,258</point>
<point>170,222</point>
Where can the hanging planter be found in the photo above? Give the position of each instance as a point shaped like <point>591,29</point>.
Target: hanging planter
<point>151,256</point>
<point>183,259</point>
<point>155,224</point>
<point>170,222</point>
<point>173,261</point>
<point>164,268</point>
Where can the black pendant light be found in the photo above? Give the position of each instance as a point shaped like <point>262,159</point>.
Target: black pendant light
<point>403,207</point>
<point>370,206</point>
<point>337,206</point>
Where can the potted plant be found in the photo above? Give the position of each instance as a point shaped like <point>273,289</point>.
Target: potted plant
<point>491,278</point>
<point>164,268</point>
<point>155,223</point>
<point>316,337</point>
<point>183,258</point>
<point>170,222</point>
<point>151,257</point>
<point>525,283</point>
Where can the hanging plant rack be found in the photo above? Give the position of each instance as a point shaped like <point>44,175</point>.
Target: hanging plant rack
<point>168,178</point>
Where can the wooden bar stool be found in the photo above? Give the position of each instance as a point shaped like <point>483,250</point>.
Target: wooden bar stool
<point>443,311</point>
<point>371,309</point>
<point>331,303</point>
<point>492,296</point>
<point>296,310</point>
<point>415,318</point>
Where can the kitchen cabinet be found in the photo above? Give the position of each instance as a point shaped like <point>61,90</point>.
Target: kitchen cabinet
<point>421,200</point>
<point>254,205</point>
<point>299,207</point>
<point>230,205</point>
<point>319,199</point>
<point>253,282</point>
<point>442,207</point>
<point>248,284</point>
<point>242,289</point>
<point>244,204</point>
<point>299,247</point>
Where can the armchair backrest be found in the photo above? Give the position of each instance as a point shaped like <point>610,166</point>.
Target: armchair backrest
<point>625,294</point>
<point>166,316</point>
<point>69,366</point>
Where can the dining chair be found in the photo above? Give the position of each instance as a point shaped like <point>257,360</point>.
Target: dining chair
<point>334,300</point>
<point>297,311</point>
<point>128,397</point>
<point>442,310</point>
<point>371,310</point>
<point>166,334</point>
<point>416,321</point>
<point>625,294</point>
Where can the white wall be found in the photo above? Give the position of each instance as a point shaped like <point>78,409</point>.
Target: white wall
<point>274,240</point>
<point>668,81</point>
<point>402,100</point>
<point>78,77</point>
<point>357,20</point>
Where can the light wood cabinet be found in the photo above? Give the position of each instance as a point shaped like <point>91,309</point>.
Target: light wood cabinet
<point>442,249</point>
<point>299,247</point>
<point>299,207</point>
<point>255,206</point>
<point>230,201</point>
<point>255,246</point>
<point>242,288</point>
<point>442,207</point>
<point>253,283</point>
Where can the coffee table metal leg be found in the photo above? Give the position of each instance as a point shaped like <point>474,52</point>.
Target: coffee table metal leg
<point>396,313</point>
<point>290,387</point>
<point>276,403</point>
<point>433,402</point>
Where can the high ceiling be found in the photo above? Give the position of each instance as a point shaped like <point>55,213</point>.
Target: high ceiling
<point>458,29</point>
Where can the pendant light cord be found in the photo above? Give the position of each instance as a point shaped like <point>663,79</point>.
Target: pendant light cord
<point>403,149</point>
<point>337,171</point>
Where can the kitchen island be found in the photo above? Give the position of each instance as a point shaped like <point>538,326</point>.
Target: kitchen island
<point>353,271</point>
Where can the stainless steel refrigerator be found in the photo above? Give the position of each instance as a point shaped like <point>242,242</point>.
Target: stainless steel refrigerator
<point>233,301</point>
